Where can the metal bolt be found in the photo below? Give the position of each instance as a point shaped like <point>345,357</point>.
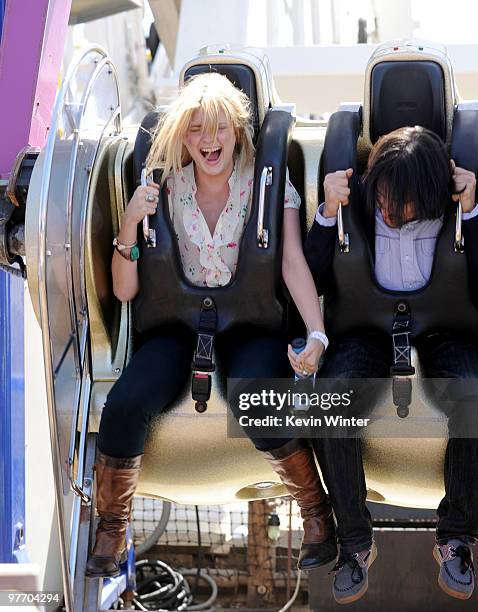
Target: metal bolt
<point>117,370</point>
<point>87,482</point>
<point>261,589</point>
<point>19,534</point>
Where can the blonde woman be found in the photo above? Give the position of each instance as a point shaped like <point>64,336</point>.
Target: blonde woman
<point>204,148</point>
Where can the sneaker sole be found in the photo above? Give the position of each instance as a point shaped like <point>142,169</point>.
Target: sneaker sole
<point>351,598</point>
<point>317,565</point>
<point>444,586</point>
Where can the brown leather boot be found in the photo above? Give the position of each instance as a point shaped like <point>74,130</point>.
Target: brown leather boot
<point>116,483</point>
<point>295,465</point>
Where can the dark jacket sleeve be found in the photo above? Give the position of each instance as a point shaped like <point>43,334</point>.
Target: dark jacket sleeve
<point>319,251</point>
<point>470,234</point>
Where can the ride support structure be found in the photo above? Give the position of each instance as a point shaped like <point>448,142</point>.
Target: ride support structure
<point>31,50</point>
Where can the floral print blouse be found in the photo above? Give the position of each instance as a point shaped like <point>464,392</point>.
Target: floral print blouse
<point>207,260</point>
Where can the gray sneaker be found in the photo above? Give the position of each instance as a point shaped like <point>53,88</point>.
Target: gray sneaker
<point>351,575</point>
<point>457,574</point>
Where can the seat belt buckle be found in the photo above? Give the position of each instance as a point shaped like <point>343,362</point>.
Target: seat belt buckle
<point>201,389</point>
<point>402,369</point>
<point>402,394</point>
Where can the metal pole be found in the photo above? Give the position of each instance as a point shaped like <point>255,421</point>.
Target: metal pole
<point>335,13</point>
<point>298,22</point>
<point>315,16</point>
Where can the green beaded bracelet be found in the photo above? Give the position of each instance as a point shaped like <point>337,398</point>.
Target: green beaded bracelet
<point>134,253</point>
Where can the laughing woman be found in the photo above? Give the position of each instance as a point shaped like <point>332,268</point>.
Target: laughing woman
<point>204,148</point>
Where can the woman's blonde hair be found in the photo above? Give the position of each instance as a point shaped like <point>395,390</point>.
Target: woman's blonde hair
<point>213,93</point>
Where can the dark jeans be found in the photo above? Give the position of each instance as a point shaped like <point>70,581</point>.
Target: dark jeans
<point>159,371</point>
<point>368,356</point>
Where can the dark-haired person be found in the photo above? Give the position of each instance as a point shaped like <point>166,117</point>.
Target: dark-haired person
<point>408,186</point>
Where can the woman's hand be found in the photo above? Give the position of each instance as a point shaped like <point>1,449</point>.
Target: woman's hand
<point>306,362</point>
<point>337,191</point>
<point>465,185</point>
<point>144,202</point>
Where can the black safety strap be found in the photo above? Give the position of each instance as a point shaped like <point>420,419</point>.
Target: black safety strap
<point>202,364</point>
<point>402,368</point>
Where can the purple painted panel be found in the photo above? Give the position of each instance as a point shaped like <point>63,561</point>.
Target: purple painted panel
<point>57,25</point>
<point>29,75</point>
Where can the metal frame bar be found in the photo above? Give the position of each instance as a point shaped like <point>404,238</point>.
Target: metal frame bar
<point>86,591</point>
<point>45,326</point>
<point>459,244</point>
<point>148,233</point>
<point>81,342</point>
<point>344,244</point>
<point>262,233</point>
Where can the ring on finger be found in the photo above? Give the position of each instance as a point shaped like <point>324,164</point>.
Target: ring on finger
<point>150,198</point>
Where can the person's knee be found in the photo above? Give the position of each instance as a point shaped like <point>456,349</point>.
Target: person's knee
<point>119,412</point>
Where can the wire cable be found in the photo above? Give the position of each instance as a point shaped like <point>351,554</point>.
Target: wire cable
<point>159,587</point>
<point>294,596</point>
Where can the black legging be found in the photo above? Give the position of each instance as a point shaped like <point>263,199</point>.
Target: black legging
<point>159,371</point>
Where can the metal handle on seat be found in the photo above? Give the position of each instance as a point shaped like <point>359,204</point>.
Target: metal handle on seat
<point>344,244</point>
<point>459,244</point>
<point>262,233</point>
<point>149,234</point>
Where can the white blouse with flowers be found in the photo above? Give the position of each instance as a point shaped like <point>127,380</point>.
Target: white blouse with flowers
<point>207,260</point>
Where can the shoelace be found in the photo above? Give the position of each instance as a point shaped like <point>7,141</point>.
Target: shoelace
<point>354,565</point>
<point>464,553</point>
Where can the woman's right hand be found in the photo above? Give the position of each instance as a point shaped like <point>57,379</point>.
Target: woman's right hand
<point>142,203</point>
<point>337,191</point>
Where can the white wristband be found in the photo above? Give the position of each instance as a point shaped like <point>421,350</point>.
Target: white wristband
<point>319,335</point>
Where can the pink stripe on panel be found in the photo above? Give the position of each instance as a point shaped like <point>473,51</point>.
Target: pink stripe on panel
<point>28,76</point>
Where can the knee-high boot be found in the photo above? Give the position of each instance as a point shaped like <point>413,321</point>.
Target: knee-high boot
<point>294,463</point>
<point>116,483</point>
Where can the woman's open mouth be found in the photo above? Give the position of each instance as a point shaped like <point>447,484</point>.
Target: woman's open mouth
<point>211,154</point>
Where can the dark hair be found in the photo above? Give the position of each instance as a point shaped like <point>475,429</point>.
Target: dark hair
<point>410,164</point>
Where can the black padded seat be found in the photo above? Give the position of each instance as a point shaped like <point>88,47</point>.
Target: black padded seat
<point>407,93</point>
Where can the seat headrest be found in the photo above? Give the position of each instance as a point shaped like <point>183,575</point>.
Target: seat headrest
<point>241,76</point>
<point>407,83</point>
<point>407,93</point>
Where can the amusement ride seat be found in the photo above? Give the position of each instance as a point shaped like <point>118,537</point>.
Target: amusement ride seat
<point>79,188</point>
<point>406,84</point>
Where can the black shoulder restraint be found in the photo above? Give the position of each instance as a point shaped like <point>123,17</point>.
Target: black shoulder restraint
<point>402,368</point>
<point>202,364</point>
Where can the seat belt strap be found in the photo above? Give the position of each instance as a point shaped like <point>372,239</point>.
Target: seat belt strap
<point>203,364</point>
<point>402,368</point>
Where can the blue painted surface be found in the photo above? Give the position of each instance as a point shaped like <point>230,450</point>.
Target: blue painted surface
<point>2,13</point>
<point>12,421</point>
<point>3,7</point>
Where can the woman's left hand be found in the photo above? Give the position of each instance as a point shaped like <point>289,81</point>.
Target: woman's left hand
<point>307,361</point>
<point>465,182</point>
